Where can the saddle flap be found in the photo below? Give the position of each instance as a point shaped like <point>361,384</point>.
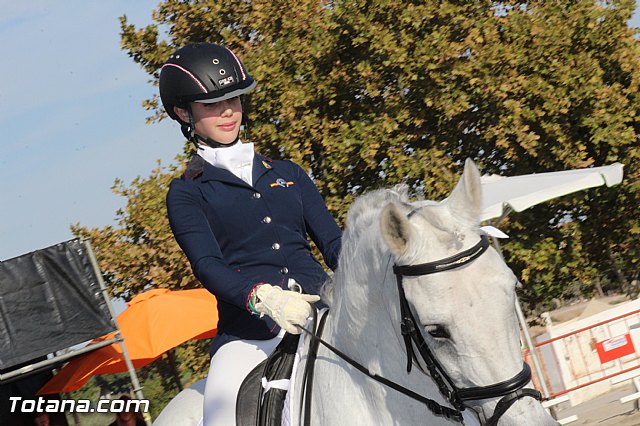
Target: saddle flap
<point>248,397</point>
<point>262,393</point>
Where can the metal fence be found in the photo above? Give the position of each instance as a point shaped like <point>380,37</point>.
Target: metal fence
<point>589,355</point>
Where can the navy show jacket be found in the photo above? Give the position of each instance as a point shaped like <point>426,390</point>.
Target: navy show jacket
<point>236,236</point>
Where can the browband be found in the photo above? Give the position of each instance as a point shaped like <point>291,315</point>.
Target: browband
<point>444,264</point>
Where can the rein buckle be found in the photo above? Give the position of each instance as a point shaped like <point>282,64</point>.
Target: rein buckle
<point>406,327</point>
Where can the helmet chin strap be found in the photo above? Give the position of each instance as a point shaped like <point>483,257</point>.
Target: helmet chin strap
<point>191,134</point>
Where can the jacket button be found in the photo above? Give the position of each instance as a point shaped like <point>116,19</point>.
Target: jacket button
<point>284,270</point>
<point>275,246</point>
<point>256,195</point>
<point>267,219</point>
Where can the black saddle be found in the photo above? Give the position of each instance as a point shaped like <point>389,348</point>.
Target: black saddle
<point>254,406</point>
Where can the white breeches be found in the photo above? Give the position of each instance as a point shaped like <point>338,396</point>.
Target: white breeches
<point>229,366</point>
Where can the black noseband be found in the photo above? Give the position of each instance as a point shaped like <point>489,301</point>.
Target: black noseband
<point>499,389</point>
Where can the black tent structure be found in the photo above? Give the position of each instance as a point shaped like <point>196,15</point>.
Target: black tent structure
<point>52,301</point>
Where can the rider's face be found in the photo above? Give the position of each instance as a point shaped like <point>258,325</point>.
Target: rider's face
<point>219,121</point>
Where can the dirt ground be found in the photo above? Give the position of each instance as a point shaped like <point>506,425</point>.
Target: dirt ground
<point>605,410</point>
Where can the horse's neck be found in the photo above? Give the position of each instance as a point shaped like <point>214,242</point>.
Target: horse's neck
<point>364,321</point>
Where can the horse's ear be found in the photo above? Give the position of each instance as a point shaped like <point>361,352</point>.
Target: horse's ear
<point>395,228</point>
<point>465,200</point>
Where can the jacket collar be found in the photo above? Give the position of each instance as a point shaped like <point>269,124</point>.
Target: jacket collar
<point>261,165</point>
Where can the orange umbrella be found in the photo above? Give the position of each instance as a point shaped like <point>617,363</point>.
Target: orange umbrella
<point>153,323</point>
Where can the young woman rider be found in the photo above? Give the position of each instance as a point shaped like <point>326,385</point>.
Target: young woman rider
<point>242,220</point>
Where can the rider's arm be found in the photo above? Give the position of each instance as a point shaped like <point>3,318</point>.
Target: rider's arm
<point>320,224</point>
<point>194,235</point>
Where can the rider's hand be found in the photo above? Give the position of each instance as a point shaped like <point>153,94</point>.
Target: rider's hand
<point>287,308</point>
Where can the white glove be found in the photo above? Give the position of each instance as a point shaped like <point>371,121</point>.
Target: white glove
<point>286,308</point>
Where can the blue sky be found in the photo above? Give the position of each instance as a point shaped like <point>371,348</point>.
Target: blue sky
<point>71,118</point>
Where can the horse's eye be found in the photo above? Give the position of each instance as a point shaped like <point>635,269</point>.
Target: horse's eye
<point>437,331</point>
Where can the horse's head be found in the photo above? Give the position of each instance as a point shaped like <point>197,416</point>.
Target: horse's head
<point>464,311</point>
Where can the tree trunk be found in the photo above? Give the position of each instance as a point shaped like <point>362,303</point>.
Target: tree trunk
<point>174,369</point>
<point>598,286</point>
<point>624,284</point>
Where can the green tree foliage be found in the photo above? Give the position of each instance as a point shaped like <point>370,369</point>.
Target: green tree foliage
<point>369,93</point>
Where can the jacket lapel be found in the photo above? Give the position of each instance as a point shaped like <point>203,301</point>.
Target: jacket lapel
<point>261,165</point>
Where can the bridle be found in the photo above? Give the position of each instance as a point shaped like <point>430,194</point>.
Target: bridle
<point>510,390</point>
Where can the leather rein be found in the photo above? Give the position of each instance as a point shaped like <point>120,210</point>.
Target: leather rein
<point>510,390</point>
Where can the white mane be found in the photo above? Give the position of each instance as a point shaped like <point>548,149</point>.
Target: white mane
<point>362,233</point>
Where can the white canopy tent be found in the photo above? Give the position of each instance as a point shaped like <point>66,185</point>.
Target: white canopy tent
<point>501,195</point>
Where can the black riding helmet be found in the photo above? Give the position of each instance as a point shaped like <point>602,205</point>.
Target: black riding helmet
<point>201,72</point>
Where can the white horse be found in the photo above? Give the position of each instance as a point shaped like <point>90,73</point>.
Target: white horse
<point>460,299</point>
<point>463,307</point>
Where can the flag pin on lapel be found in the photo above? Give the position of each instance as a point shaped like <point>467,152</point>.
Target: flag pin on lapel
<point>281,182</point>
